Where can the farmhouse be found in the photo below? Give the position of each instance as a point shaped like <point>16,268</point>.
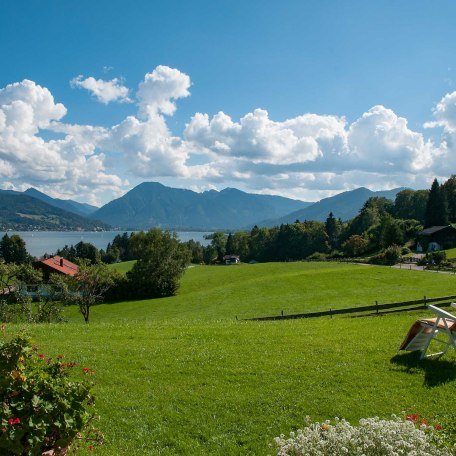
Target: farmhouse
<point>56,265</point>
<point>231,259</point>
<point>436,238</point>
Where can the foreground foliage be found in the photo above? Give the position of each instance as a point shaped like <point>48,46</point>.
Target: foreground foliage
<point>373,437</point>
<point>42,408</point>
<point>180,375</point>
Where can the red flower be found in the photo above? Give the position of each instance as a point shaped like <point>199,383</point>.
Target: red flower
<point>90,447</point>
<point>413,417</point>
<point>40,355</point>
<point>424,422</point>
<point>86,370</point>
<point>13,421</point>
<point>437,427</point>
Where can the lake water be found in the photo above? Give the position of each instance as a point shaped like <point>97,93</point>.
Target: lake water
<point>40,242</point>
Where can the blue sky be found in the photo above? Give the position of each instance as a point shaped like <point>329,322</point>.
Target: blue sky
<point>330,60</point>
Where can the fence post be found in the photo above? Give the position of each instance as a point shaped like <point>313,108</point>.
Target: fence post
<point>425,301</point>
<point>236,317</point>
<point>282,313</point>
<point>330,313</point>
<point>376,304</point>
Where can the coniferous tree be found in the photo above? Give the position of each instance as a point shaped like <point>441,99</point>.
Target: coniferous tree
<point>449,188</point>
<point>436,208</point>
<point>13,250</point>
<point>332,228</point>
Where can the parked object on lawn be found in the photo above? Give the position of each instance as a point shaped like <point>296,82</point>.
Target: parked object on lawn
<point>423,332</point>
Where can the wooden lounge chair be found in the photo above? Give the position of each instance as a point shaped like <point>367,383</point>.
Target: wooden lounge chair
<point>423,332</point>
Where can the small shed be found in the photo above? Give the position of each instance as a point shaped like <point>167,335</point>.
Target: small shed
<point>231,259</point>
<point>437,238</point>
<point>56,265</point>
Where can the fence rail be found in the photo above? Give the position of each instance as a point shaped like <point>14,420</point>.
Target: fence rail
<point>376,309</point>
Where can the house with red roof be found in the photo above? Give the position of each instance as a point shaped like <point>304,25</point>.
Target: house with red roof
<point>56,265</point>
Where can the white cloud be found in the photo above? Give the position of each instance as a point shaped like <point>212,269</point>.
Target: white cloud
<point>104,91</point>
<point>159,90</point>
<point>309,156</point>
<point>445,114</point>
<point>67,166</point>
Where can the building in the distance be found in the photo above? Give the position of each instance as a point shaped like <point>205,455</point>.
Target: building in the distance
<point>436,238</point>
<point>56,265</point>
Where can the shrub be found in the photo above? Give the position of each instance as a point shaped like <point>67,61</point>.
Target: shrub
<point>318,256</point>
<point>162,260</point>
<point>388,257</point>
<point>42,408</point>
<point>372,437</point>
<point>355,245</point>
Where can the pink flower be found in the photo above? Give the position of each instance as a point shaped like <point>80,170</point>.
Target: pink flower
<point>13,421</point>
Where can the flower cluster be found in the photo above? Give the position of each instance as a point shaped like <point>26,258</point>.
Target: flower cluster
<point>373,436</point>
<point>43,409</point>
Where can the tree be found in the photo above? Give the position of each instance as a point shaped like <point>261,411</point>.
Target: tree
<point>449,188</point>
<point>12,249</point>
<point>162,260</point>
<point>229,248</point>
<point>219,243</point>
<point>355,245</point>
<point>436,208</point>
<point>333,228</point>
<point>411,204</point>
<point>87,288</point>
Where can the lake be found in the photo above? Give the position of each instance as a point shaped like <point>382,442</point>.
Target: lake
<point>41,242</point>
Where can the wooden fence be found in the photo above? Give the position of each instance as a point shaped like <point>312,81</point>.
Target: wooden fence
<point>373,310</point>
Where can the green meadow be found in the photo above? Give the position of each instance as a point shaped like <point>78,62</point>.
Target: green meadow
<point>181,375</point>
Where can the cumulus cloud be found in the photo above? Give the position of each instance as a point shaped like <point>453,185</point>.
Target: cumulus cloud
<point>159,90</point>
<point>68,165</point>
<point>104,91</point>
<point>309,156</point>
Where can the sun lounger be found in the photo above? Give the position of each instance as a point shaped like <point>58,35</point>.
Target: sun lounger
<point>423,332</point>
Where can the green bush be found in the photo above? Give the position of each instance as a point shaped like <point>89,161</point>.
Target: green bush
<point>388,257</point>
<point>42,408</point>
<point>318,256</point>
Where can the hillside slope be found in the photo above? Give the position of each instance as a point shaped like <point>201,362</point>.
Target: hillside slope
<point>345,206</point>
<point>83,209</point>
<point>152,204</point>
<point>23,212</point>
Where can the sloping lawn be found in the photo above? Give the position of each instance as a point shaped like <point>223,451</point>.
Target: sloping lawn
<point>182,376</point>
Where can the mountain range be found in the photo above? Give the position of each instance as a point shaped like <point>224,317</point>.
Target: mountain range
<point>345,206</point>
<point>82,209</point>
<point>152,204</point>
<point>22,212</point>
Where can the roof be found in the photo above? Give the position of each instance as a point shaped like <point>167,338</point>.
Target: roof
<point>61,265</point>
<point>230,257</point>
<point>434,229</point>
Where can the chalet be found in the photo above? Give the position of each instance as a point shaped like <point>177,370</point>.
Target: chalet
<point>56,265</point>
<point>436,238</point>
<point>231,259</point>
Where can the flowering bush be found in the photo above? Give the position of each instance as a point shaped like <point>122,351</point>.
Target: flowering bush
<point>373,437</point>
<point>42,408</point>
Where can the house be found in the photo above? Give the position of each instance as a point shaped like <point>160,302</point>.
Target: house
<point>436,238</point>
<point>231,259</point>
<point>56,265</point>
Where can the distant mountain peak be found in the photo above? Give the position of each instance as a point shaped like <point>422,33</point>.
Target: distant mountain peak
<point>151,204</point>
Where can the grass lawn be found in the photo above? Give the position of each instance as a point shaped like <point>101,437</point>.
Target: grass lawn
<point>182,376</point>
